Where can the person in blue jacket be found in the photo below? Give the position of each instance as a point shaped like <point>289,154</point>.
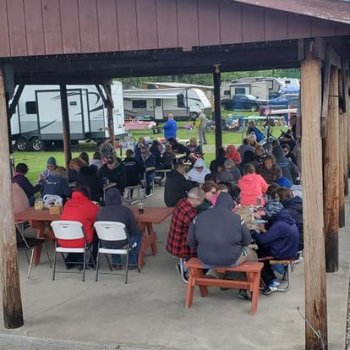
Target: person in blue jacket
<point>170,127</point>
<point>281,241</point>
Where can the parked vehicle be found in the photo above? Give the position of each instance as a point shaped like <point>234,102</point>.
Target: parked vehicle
<point>241,102</point>
<point>158,103</point>
<point>37,121</point>
<point>285,101</point>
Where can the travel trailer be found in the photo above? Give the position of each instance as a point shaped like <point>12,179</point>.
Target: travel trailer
<point>156,104</point>
<point>37,121</point>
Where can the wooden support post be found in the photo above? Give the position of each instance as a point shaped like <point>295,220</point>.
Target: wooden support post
<point>340,175</point>
<point>345,154</point>
<point>110,106</point>
<point>11,292</point>
<point>217,107</point>
<point>66,127</point>
<point>314,242</point>
<point>331,156</point>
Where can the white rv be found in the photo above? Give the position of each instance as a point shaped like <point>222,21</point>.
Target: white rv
<point>156,104</point>
<point>37,120</point>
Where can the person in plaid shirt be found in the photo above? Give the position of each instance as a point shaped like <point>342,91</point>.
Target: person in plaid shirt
<point>183,215</point>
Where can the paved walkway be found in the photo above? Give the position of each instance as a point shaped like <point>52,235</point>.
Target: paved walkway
<point>149,312</point>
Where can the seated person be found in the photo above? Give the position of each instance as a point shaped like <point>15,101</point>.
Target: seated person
<point>280,240</point>
<point>56,184</point>
<point>252,129</point>
<point>149,164</point>
<point>229,173</point>
<point>50,168</point>
<point>219,236</point>
<point>233,154</point>
<point>87,177</point>
<point>79,208</point>
<point>210,189</point>
<point>115,211</point>
<point>198,173</point>
<point>269,169</point>
<point>20,178</point>
<point>96,160</point>
<point>178,147</point>
<point>218,161</point>
<point>156,149</point>
<point>168,157</point>
<point>183,215</point>
<point>176,185</point>
<point>245,146</point>
<point>195,149</point>
<point>84,157</point>
<point>20,199</point>
<point>74,168</point>
<point>133,168</point>
<point>252,186</point>
<point>112,171</point>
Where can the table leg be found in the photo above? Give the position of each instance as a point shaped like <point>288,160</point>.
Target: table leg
<point>148,239</point>
<point>40,226</point>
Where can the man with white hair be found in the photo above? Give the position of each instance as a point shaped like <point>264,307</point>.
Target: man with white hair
<point>201,123</point>
<point>170,127</point>
<point>183,215</point>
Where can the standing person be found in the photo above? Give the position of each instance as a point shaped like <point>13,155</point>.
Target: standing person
<point>183,215</point>
<point>201,123</point>
<point>137,150</point>
<point>170,127</point>
<point>115,211</point>
<point>20,178</point>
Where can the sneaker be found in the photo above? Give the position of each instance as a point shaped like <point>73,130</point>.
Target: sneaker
<point>244,294</point>
<point>269,290</point>
<point>274,283</point>
<point>183,274</point>
<point>117,267</point>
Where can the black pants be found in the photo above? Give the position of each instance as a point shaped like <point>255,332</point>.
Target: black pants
<point>267,274</point>
<point>78,258</point>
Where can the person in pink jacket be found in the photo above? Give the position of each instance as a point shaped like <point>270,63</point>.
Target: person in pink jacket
<point>252,186</point>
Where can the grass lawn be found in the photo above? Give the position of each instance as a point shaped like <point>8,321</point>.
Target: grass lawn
<point>36,161</point>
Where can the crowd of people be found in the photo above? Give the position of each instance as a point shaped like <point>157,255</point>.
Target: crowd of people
<point>205,222</point>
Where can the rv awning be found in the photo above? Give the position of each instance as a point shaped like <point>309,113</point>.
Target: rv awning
<point>153,93</point>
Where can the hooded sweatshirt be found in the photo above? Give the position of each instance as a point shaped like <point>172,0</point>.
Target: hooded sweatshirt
<point>218,234</point>
<point>115,211</point>
<point>282,239</point>
<point>232,153</point>
<point>289,170</point>
<point>176,188</point>
<point>252,186</point>
<point>88,177</point>
<point>79,208</point>
<point>196,176</point>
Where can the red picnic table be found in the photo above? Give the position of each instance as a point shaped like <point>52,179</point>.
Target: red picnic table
<point>151,216</point>
<point>39,219</point>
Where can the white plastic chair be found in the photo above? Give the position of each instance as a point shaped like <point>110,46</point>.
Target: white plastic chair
<point>69,230</point>
<point>112,232</point>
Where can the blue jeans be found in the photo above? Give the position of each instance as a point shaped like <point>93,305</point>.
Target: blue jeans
<point>134,252</point>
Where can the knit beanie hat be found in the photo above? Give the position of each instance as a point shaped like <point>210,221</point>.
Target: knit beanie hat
<point>51,161</point>
<point>273,208</point>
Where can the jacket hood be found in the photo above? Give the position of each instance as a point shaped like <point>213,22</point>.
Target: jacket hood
<point>285,216</point>
<point>225,201</point>
<point>294,203</point>
<point>78,198</point>
<point>199,163</point>
<point>113,197</point>
<point>277,151</point>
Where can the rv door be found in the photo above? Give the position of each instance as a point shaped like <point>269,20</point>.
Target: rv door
<point>158,109</point>
<point>50,114</point>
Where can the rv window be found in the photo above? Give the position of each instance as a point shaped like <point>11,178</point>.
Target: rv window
<point>180,101</point>
<point>73,103</point>
<point>31,107</point>
<point>139,104</point>
<point>158,102</point>
<point>239,91</point>
<point>227,92</point>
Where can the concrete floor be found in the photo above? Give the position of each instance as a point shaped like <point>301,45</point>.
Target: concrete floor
<point>149,313</point>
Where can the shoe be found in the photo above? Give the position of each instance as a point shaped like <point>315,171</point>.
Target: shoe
<point>274,283</point>
<point>149,195</point>
<point>244,294</point>
<point>132,267</point>
<point>183,274</point>
<point>70,266</point>
<point>117,267</point>
<point>269,290</point>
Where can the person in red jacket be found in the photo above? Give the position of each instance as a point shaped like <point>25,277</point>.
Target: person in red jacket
<point>79,208</point>
<point>233,154</point>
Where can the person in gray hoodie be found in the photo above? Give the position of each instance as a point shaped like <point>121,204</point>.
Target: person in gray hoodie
<point>115,211</point>
<point>219,236</point>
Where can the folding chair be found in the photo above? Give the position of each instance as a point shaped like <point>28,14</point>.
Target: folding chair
<point>69,230</point>
<point>110,231</point>
<point>29,243</point>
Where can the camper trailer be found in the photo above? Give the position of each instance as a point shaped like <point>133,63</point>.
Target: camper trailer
<point>37,121</point>
<point>156,104</point>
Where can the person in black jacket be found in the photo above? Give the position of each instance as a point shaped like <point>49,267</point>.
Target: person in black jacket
<point>176,185</point>
<point>113,171</point>
<point>87,177</point>
<point>178,148</point>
